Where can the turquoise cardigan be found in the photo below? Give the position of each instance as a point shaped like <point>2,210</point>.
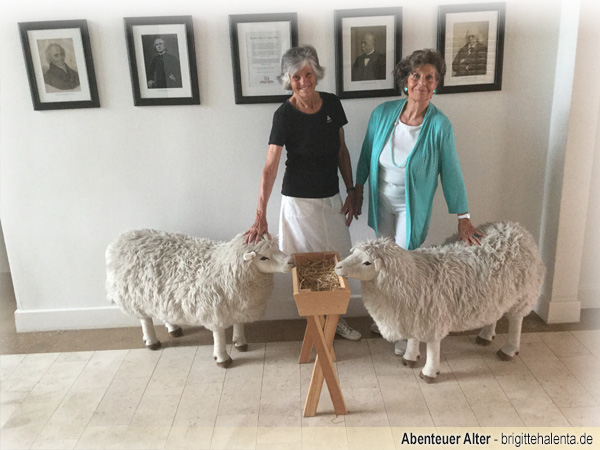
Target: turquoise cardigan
<point>433,155</point>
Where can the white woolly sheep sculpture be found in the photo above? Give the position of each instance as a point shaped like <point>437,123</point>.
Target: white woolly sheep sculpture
<point>185,280</point>
<point>425,294</point>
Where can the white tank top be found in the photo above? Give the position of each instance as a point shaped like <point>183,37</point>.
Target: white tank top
<point>392,161</point>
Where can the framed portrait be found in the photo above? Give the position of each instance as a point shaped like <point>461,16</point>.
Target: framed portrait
<point>257,43</point>
<point>58,58</point>
<point>471,39</point>
<point>162,60</point>
<point>368,44</point>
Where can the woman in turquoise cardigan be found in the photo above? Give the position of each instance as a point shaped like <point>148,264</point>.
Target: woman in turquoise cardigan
<point>409,144</point>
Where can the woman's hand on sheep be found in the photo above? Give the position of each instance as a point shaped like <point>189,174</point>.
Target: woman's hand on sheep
<point>468,233</point>
<point>260,227</point>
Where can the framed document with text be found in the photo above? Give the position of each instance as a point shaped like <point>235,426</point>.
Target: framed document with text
<point>257,43</point>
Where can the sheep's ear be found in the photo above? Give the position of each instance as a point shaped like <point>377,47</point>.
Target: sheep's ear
<point>248,256</point>
<point>378,264</point>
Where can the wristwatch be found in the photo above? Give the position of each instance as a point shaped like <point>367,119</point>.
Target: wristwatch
<point>464,216</point>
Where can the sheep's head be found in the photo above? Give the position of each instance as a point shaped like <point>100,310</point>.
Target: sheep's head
<point>267,257</point>
<point>360,265</point>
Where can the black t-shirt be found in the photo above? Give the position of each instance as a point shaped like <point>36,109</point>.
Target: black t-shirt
<point>312,142</point>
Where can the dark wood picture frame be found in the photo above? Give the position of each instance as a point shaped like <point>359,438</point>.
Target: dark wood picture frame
<point>167,74</point>
<point>60,69</point>
<point>471,39</point>
<point>255,79</point>
<point>379,30</point>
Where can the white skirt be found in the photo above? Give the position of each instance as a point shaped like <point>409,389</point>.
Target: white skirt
<point>313,225</point>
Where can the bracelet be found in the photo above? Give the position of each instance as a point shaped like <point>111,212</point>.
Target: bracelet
<point>352,188</point>
<point>464,216</point>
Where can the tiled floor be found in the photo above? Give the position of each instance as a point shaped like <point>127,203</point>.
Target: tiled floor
<point>133,398</point>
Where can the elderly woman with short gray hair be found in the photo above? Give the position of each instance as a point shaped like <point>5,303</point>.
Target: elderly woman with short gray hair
<point>310,126</point>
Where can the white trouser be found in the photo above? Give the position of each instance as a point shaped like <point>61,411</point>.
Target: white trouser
<point>313,225</point>
<point>391,213</point>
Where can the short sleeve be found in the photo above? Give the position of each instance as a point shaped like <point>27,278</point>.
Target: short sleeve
<point>278,129</point>
<point>339,116</point>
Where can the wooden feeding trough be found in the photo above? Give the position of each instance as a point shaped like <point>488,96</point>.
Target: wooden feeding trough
<point>321,302</point>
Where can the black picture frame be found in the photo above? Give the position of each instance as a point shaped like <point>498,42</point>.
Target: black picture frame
<point>267,37</point>
<point>480,67</point>
<point>358,76</point>
<point>60,69</point>
<point>165,75</point>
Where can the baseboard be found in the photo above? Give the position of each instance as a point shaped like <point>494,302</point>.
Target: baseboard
<point>590,298</point>
<point>113,317</point>
<point>72,319</point>
<point>558,310</point>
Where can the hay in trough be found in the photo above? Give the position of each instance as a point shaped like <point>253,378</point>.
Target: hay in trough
<point>318,275</point>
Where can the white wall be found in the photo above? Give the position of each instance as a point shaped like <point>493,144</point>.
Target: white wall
<point>589,283</point>
<point>72,180</point>
<point>589,56</point>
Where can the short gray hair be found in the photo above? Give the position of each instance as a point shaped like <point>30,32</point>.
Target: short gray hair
<point>295,59</point>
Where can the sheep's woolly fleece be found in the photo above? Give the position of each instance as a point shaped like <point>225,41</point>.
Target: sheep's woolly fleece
<point>186,280</point>
<point>426,293</point>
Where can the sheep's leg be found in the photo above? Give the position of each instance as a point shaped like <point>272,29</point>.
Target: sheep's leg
<point>411,355</point>
<point>486,335</point>
<point>220,350</point>
<point>239,337</point>
<point>432,365</point>
<point>149,334</point>
<point>511,348</point>
<point>174,330</point>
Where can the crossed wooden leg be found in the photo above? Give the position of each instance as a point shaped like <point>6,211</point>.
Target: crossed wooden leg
<point>320,335</point>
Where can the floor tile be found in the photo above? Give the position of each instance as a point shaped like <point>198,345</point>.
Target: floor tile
<point>77,407</point>
<point>379,438</point>
<point>59,437</point>
<point>590,339</point>
<point>192,438</point>
<point>145,438</point>
<point>280,408</point>
<point>497,414</point>
<point>324,438</point>
<point>582,416</point>
<point>235,432</point>
<point>102,437</point>
<point>279,437</point>
<point>365,407</point>
<point>540,412</point>
<point>564,344</point>
<point>156,411</point>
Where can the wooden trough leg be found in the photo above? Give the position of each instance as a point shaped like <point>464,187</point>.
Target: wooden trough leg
<point>329,331</point>
<point>323,370</point>
<point>308,344</point>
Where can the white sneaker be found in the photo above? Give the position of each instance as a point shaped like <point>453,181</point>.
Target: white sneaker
<point>400,347</point>
<point>375,328</point>
<point>346,332</point>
